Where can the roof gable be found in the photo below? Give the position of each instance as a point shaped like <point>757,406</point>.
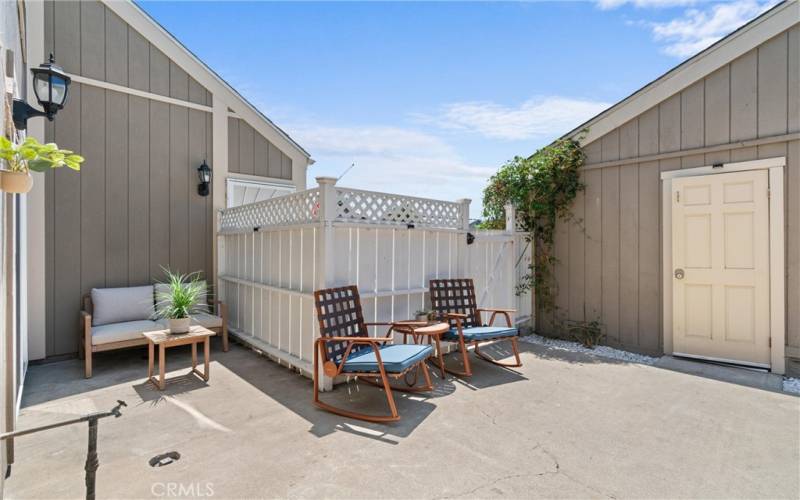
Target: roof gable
<point>189,62</point>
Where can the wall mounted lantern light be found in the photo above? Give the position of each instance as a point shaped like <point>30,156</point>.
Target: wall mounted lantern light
<point>50,84</point>
<point>204,173</point>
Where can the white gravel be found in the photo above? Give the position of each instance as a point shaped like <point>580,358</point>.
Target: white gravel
<point>791,385</point>
<point>601,351</point>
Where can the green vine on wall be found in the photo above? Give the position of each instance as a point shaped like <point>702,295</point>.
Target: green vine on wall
<point>542,188</point>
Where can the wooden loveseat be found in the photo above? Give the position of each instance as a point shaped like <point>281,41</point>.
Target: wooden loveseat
<point>116,318</point>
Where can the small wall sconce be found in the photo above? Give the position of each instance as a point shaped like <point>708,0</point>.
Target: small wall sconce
<point>204,173</point>
<point>50,84</point>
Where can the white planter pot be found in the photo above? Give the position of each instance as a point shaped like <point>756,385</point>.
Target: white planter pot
<point>422,317</point>
<point>178,325</point>
<point>15,182</point>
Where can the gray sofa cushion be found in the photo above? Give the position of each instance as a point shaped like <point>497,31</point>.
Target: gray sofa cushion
<point>116,305</point>
<point>118,332</point>
<point>161,288</point>
<point>207,320</point>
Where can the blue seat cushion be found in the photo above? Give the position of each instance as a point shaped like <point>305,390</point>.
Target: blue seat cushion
<point>481,333</point>
<point>396,358</point>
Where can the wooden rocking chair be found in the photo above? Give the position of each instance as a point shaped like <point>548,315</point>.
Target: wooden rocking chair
<point>453,300</point>
<point>345,347</point>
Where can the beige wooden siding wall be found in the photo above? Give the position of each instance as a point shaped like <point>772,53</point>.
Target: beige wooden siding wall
<point>611,262</point>
<point>134,206</point>
<point>251,153</point>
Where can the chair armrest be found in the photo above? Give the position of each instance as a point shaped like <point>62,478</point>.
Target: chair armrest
<point>86,327</point>
<point>456,315</point>
<point>495,312</point>
<point>379,324</point>
<point>355,340</point>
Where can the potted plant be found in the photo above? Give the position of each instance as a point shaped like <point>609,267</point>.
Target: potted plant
<point>422,315</point>
<point>20,159</point>
<point>182,296</point>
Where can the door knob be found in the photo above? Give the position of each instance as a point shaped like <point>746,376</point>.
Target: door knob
<point>679,274</point>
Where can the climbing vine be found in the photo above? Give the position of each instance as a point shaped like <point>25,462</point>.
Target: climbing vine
<point>542,187</point>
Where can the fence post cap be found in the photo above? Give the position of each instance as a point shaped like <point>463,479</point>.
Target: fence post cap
<point>326,180</point>
<point>464,201</point>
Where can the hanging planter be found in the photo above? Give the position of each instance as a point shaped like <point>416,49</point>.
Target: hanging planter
<point>15,182</point>
<point>20,159</point>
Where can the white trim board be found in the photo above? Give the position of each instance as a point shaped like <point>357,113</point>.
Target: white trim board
<point>777,266</point>
<point>725,168</point>
<point>771,23</point>
<point>139,93</point>
<point>261,179</point>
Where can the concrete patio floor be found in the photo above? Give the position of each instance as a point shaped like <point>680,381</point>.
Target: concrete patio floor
<point>565,425</point>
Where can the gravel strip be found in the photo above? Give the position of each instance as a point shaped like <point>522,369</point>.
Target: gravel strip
<point>602,351</point>
<point>790,385</point>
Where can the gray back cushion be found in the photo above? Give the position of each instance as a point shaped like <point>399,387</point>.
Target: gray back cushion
<point>115,305</point>
<point>162,288</point>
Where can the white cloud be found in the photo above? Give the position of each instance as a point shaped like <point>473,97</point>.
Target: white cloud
<point>613,4</point>
<point>697,29</point>
<point>393,159</point>
<point>370,140</point>
<point>538,118</point>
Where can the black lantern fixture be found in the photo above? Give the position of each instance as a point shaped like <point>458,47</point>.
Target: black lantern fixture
<point>50,84</point>
<point>204,173</point>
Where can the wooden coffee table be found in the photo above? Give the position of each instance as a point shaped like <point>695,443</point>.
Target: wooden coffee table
<point>163,339</point>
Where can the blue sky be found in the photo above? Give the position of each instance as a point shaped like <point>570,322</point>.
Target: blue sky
<point>430,98</point>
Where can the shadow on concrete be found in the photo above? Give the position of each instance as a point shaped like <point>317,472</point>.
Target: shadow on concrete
<point>295,392</point>
<point>175,386</point>
<point>484,374</point>
<point>49,381</point>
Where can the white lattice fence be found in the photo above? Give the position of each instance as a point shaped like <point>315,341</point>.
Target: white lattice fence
<point>382,208</point>
<point>291,209</point>
<point>275,253</point>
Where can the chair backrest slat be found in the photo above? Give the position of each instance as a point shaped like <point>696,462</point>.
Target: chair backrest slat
<point>455,296</point>
<point>339,315</point>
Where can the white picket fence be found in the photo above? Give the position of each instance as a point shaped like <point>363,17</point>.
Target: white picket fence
<point>273,254</point>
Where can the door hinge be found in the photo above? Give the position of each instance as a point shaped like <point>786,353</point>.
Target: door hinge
<point>769,194</point>
<point>677,196</point>
<point>770,342</point>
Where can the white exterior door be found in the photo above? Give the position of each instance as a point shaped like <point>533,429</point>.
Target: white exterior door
<point>721,272</point>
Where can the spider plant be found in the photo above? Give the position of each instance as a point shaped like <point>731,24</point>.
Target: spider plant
<point>185,295</point>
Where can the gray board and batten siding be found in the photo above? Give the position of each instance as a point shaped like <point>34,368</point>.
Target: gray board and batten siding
<point>251,153</point>
<point>610,263</point>
<point>134,207</point>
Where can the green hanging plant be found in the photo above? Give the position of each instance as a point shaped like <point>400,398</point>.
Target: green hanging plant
<point>33,155</point>
<point>543,188</point>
